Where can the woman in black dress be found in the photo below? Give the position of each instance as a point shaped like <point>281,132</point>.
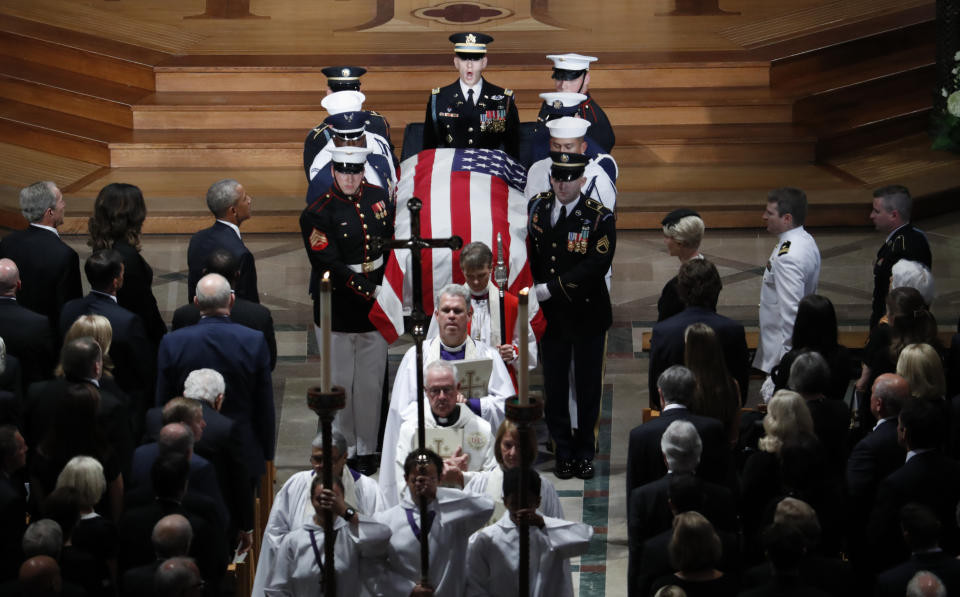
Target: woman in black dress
<point>695,551</point>
<point>682,233</point>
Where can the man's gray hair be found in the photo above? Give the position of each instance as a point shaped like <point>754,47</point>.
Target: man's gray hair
<point>171,536</point>
<point>36,199</point>
<point>454,290</point>
<point>221,195</point>
<point>204,384</point>
<point>913,274</point>
<point>213,292</point>
<point>175,576</point>
<point>442,366</point>
<point>337,440</point>
<point>43,537</point>
<point>175,437</point>
<point>681,447</point>
<point>897,198</point>
<point>678,385</point>
<point>926,584</point>
<point>809,374</point>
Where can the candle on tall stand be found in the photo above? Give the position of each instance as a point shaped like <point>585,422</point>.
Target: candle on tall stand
<point>523,371</point>
<point>325,324</point>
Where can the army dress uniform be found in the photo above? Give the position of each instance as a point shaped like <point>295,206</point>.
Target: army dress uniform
<point>906,242</point>
<point>337,231</point>
<point>492,124</point>
<point>571,257</point>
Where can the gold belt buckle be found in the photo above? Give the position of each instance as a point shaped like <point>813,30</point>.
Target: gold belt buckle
<point>367,267</point>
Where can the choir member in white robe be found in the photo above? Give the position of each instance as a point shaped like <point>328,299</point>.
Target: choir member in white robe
<point>292,508</point>
<point>455,515</point>
<point>506,449</point>
<point>298,569</point>
<point>453,344</point>
<point>494,552</point>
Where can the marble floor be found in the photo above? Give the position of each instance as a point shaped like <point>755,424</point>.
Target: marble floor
<point>641,267</point>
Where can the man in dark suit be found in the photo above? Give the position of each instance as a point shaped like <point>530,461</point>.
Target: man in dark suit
<point>879,453</point>
<point>50,270</point>
<point>13,500</point>
<point>82,362</point>
<point>472,113</point>
<point>27,334</point>
<point>675,387</point>
<point>810,377</point>
<point>920,532</point>
<point>231,205</point>
<point>699,285</point>
<point>245,312</point>
<point>238,353</point>
<point>132,352</point>
<point>927,477</point>
<point>892,206</point>
<point>171,538</point>
<point>571,240</point>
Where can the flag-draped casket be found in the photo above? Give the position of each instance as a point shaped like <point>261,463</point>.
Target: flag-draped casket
<point>471,193</point>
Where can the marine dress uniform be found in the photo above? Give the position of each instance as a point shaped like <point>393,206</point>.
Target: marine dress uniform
<point>792,272</point>
<point>906,242</point>
<point>567,67</point>
<point>489,120</point>
<point>337,230</point>
<point>571,248</point>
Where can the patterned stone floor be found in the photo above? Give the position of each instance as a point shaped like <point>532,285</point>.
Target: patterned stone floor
<point>641,267</point>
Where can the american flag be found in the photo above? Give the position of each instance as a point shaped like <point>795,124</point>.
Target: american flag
<point>473,193</point>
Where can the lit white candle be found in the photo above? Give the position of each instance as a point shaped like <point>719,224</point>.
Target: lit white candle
<point>325,333</point>
<point>523,373</point>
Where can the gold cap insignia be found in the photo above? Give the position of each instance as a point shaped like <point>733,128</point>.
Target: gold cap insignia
<point>564,158</point>
<point>345,72</point>
<point>557,104</point>
<point>471,38</point>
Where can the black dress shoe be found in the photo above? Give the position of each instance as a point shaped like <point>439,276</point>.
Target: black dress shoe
<point>584,469</point>
<point>564,468</point>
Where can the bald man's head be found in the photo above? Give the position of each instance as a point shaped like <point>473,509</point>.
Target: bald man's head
<point>175,437</point>
<point>214,296</point>
<point>40,577</point>
<point>177,577</point>
<point>172,536</point>
<point>889,394</point>
<point>9,277</point>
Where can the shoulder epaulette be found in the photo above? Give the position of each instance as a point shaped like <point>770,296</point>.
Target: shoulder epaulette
<point>543,195</point>
<point>594,204</point>
<point>319,129</point>
<point>508,92</point>
<point>374,113</point>
<point>435,91</point>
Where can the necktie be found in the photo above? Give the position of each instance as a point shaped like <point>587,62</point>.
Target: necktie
<point>563,217</point>
<point>470,98</point>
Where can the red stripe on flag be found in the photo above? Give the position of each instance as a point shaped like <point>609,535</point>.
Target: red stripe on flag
<point>459,217</point>
<point>422,179</point>
<point>499,199</point>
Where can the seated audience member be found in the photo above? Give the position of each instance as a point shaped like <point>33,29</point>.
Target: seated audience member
<point>783,545</point>
<point>810,377</point>
<point>77,564</point>
<point>695,552</point>
<point>13,500</point>
<point>685,493</point>
<point>11,387</point>
<point>921,531</point>
<point>699,285</point>
<point>209,547</point>
<point>292,506</point>
<point>475,451</point>
<point>178,577</point>
<point>171,538</point>
<point>93,533</point>
<point>42,538</point>
<point>803,565</point>
<point>815,330</point>
<point>925,584</point>
<point>718,394</point>
<point>298,564</point>
<point>921,366</point>
<point>506,449</point>
<point>927,477</point>
<point>179,438</point>
<point>40,576</point>
<point>493,552</point>
<point>676,388</point>
<point>682,234</point>
<point>914,274</point>
<point>28,335</point>
<point>457,515</point>
<point>245,312</point>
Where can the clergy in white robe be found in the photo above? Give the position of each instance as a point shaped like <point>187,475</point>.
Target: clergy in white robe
<point>494,552</point>
<point>455,516</point>
<point>298,568</point>
<point>292,507</point>
<point>453,344</point>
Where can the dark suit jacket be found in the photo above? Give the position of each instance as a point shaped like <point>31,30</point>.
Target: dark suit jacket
<point>208,240</point>
<point>13,516</point>
<point>40,407</point>
<point>247,313</point>
<point>906,242</point>
<point>831,422</point>
<point>929,478</point>
<point>30,338</point>
<point>49,270</point>
<point>652,560</point>
<point>222,445</point>
<point>136,294</point>
<point>666,347</point>
<point>202,480</point>
<point>133,355</point>
<point>831,576</point>
<point>138,582</point>
<point>241,356</point>
<point>893,582</point>
<point>669,303</point>
<point>871,461</point>
<point>645,460</point>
